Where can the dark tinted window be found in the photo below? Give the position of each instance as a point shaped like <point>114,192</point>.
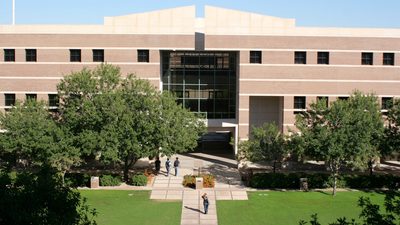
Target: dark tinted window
<point>32,97</point>
<point>299,102</point>
<point>323,57</point>
<point>53,100</point>
<point>9,55</point>
<point>98,55</point>
<point>9,99</point>
<point>367,58</point>
<point>387,102</point>
<point>255,56</point>
<point>388,59</point>
<point>75,55</point>
<point>30,55</point>
<point>300,57</point>
<point>143,56</point>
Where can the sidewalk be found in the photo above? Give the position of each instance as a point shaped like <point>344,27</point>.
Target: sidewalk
<point>170,188</point>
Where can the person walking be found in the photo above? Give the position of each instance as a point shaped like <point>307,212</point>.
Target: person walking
<point>176,165</point>
<point>158,165</point>
<point>167,166</point>
<point>205,203</point>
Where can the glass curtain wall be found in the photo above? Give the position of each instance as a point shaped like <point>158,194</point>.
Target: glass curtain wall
<point>204,82</point>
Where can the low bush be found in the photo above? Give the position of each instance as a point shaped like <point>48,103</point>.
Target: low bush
<point>321,180</point>
<point>208,181</point>
<point>139,180</point>
<point>77,180</point>
<point>189,181</point>
<point>110,180</point>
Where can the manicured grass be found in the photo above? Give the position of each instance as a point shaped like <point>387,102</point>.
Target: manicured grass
<point>288,208</point>
<point>132,207</point>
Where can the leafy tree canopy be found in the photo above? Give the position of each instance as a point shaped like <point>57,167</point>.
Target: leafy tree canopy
<point>346,133</point>
<point>266,143</point>
<point>124,119</point>
<point>33,137</point>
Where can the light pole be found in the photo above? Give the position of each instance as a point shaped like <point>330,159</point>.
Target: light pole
<point>13,12</point>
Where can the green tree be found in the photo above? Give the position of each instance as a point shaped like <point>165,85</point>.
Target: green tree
<point>266,143</point>
<point>124,119</point>
<point>41,198</point>
<point>346,133</point>
<point>391,141</point>
<point>33,137</point>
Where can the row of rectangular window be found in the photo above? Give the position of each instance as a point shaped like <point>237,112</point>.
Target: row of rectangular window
<point>75,55</point>
<point>10,99</point>
<point>300,57</point>
<point>300,102</point>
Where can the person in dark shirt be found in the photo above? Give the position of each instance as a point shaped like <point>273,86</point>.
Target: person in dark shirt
<point>205,203</point>
<point>176,165</point>
<point>158,165</point>
<point>167,166</point>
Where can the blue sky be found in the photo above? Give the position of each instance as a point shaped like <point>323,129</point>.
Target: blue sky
<point>332,13</point>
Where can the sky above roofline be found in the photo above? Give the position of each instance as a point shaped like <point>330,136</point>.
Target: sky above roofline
<point>312,13</point>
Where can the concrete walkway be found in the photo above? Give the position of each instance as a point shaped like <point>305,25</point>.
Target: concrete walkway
<point>193,210</point>
<point>227,186</point>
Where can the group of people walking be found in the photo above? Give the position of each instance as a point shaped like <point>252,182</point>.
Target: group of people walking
<point>176,166</point>
<point>167,165</point>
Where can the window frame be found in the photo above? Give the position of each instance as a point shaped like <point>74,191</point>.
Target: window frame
<point>31,55</point>
<point>255,57</point>
<point>299,105</point>
<point>75,55</point>
<point>386,103</point>
<point>320,98</point>
<point>97,57</point>
<point>367,58</point>
<point>53,100</point>
<point>388,61</point>
<point>143,55</point>
<point>31,96</point>
<point>7,100</point>
<point>7,56</point>
<point>323,58</point>
<point>300,57</point>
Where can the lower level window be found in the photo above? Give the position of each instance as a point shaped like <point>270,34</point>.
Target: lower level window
<point>53,100</point>
<point>31,97</point>
<point>299,104</point>
<point>9,99</point>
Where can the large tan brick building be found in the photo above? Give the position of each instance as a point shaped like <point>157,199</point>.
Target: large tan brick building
<point>239,69</point>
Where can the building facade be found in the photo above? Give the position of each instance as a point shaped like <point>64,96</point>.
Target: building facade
<point>237,69</point>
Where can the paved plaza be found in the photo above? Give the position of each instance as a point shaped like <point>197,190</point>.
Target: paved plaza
<point>227,186</point>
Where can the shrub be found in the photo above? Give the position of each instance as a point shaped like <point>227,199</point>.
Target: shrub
<point>110,180</point>
<point>321,180</point>
<point>208,181</point>
<point>190,181</point>
<point>77,180</point>
<point>139,180</point>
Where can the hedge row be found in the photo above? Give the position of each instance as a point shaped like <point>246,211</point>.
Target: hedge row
<point>83,180</point>
<point>319,180</point>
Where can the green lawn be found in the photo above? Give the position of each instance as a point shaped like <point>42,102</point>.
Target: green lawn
<point>132,207</point>
<point>287,208</point>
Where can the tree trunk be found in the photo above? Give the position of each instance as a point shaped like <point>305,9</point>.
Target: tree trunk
<point>334,166</point>
<point>129,161</point>
<point>62,177</point>
<point>334,184</point>
<point>371,167</point>
<point>274,166</point>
